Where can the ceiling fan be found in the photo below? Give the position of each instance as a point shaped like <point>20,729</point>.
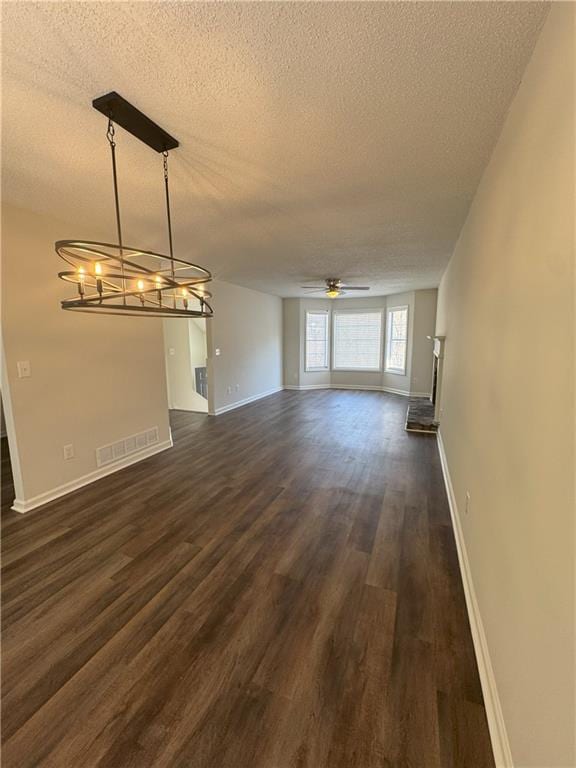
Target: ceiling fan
<point>334,288</point>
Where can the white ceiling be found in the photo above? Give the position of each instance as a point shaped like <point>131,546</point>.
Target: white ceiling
<point>317,139</point>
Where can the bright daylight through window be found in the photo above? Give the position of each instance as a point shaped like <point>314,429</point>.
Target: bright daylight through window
<point>397,340</point>
<point>316,341</point>
<point>358,341</point>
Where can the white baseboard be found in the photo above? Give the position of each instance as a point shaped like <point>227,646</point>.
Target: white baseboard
<point>26,505</point>
<point>246,401</point>
<point>363,387</point>
<point>393,391</point>
<point>302,387</point>
<point>371,388</point>
<point>366,387</point>
<point>307,386</point>
<point>496,724</point>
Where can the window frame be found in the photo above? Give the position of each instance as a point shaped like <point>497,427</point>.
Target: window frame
<point>326,314</point>
<point>361,311</point>
<point>389,311</point>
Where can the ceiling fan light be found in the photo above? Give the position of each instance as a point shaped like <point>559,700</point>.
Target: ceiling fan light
<point>333,293</point>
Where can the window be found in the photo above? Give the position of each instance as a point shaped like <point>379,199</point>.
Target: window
<point>316,354</point>
<point>397,340</point>
<point>358,341</point>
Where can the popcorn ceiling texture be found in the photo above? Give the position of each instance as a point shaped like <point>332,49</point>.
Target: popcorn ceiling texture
<point>317,139</point>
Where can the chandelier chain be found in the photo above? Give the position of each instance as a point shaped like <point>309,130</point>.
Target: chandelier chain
<point>168,216</point>
<point>110,136</point>
<point>110,132</point>
<point>165,164</point>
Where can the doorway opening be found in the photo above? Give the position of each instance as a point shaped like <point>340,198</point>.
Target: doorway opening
<point>7,479</point>
<point>185,350</point>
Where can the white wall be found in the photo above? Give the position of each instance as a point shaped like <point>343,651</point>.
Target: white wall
<point>95,379</point>
<point>183,340</point>
<point>421,323</point>
<point>506,306</point>
<point>247,329</point>
<point>197,343</point>
<point>291,341</point>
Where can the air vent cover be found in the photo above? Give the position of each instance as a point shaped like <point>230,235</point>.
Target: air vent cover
<point>107,454</point>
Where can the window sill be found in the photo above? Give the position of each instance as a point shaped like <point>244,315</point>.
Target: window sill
<point>395,371</point>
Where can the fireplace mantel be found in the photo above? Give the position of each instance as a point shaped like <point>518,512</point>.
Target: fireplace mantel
<point>439,346</point>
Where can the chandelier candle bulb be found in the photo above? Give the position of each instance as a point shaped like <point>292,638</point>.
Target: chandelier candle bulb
<point>141,286</point>
<point>81,280</point>
<point>158,284</point>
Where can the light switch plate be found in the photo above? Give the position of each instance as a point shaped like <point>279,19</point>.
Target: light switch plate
<point>23,369</point>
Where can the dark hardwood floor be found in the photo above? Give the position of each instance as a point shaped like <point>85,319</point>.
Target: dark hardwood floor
<point>281,589</point>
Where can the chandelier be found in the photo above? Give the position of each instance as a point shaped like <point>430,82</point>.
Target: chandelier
<point>117,279</point>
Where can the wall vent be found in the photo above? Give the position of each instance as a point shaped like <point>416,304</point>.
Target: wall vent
<point>122,448</point>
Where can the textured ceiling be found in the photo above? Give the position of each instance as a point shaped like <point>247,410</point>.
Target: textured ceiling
<point>317,139</point>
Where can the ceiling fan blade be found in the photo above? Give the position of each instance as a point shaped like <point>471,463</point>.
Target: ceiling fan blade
<point>356,287</point>
<point>313,287</point>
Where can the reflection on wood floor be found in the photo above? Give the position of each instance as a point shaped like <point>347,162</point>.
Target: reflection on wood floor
<point>280,589</point>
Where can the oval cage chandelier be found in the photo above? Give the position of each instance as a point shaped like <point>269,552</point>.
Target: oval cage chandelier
<point>116,279</point>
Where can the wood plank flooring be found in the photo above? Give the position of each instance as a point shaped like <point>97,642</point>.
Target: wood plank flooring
<point>279,590</point>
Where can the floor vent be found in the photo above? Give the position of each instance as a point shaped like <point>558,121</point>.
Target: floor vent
<point>122,448</point>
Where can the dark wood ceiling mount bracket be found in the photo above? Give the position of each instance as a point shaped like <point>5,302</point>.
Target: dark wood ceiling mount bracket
<point>135,122</point>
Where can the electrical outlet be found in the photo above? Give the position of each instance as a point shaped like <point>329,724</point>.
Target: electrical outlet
<point>467,508</point>
<point>237,387</point>
<point>229,390</point>
<point>68,451</point>
<point>217,351</point>
<point>171,351</point>
<point>24,371</point>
